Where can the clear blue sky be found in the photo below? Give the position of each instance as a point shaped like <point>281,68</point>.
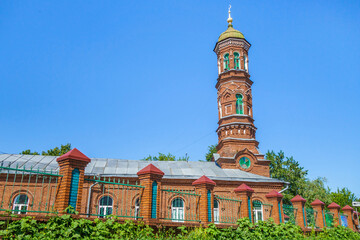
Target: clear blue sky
<point>125,79</point>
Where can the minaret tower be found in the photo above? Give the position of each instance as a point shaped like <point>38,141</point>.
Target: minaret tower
<point>237,146</point>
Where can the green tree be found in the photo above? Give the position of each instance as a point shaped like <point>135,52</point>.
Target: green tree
<point>316,189</point>
<point>51,152</point>
<point>288,170</point>
<point>164,157</point>
<point>211,151</point>
<point>28,152</point>
<point>343,197</point>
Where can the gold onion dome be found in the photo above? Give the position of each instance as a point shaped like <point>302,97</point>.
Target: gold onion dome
<point>230,32</point>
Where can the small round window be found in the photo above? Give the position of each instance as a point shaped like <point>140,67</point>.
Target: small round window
<point>245,162</point>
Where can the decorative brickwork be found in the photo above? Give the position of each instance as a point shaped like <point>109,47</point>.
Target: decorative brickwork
<point>300,217</point>
<point>335,209</point>
<point>68,162</point>
<point>275,199</point>
<point>203,185</point>
<point>148,176</point>
<point>244,192</point>
<point>318,206</point>
<point>348,211</point>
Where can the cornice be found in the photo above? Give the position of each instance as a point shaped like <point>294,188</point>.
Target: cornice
<point>231,42</point>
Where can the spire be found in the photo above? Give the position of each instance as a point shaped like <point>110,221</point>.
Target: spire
<point>229,20</point>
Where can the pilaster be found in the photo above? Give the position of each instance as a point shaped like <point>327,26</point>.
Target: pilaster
<point>72,167</point>
<point>205,186</point>
<point>299,203</point>
<point>275,199</point>
<point>318,206</point>
<point>245,194</point>
<point>335,209</point>
<point>150,177</point>
<point>349,212</point>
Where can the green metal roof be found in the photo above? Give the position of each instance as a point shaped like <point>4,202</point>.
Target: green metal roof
<point>231,33</point>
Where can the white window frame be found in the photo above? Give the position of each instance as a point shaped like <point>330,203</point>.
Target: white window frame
<point>20,206</point>
<point>217,213</point>
<point>177,213</point>
<point>137,208</point>
<point>256,210</point>
<point>105,207</point>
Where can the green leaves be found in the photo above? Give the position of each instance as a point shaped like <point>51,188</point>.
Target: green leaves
<point>51,152</point>
<point>164,157</point>
<point>66,227</point>
<point>211,151</point>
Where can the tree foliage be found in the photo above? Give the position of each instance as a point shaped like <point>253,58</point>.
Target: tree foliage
<point>289,170</point>
<point>51,152</point>
<point>67,227</point>
<point>343,197</point>
<point>164,157</point>
<point>211,151</point>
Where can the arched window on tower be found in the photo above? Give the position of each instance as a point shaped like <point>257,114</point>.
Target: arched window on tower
<point>239,104</point>
<point>245,62</point>
<point>226,62</point>
<point>236,60</point>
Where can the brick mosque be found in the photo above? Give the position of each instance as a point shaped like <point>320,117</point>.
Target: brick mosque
<point>235,184</point>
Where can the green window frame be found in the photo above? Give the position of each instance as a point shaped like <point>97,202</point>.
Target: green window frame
<point>239,104</point>
<point>74,186</point>
<point>226,62</point>
<point>236,60</point>
<point>154,199</point>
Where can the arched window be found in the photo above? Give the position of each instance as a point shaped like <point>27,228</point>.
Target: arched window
<point>226,62</point>
<point>236,60</point>
<point>258,211</point>
<point>216,211</point>
<point>239,104</point>
<point>177,210</point>
<point>245,63</point>
<point>20,204</point>
<point>105,206</point>
<point>137,208</point>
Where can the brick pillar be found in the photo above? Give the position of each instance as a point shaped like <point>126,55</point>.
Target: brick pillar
<point>69,162</point>
<point>245,193</point>
<point>335,209</point>
<point>299,203</point>
<point>275,199</point>
<point>356,220</point>
<point>349,212</point>
<point>320,217</point>
<point>203,185</point>
<point>150,178</point>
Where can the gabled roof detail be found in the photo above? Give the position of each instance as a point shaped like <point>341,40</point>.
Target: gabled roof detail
<point>150,169</point>
<point>74,154</point>
<point>334,205</point>
<point>298,198</point>
<point>317,202</point>
<point>273,193</point>
<point>243,188</point>
<point>347,207</point>
<point>204,180</point>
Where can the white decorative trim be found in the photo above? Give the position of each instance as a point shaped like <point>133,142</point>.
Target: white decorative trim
<point>231,42</point>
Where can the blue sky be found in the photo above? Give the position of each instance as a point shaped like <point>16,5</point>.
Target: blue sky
<point>125,79</point>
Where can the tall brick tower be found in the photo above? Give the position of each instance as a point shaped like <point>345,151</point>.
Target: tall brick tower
<point>237,146</point>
